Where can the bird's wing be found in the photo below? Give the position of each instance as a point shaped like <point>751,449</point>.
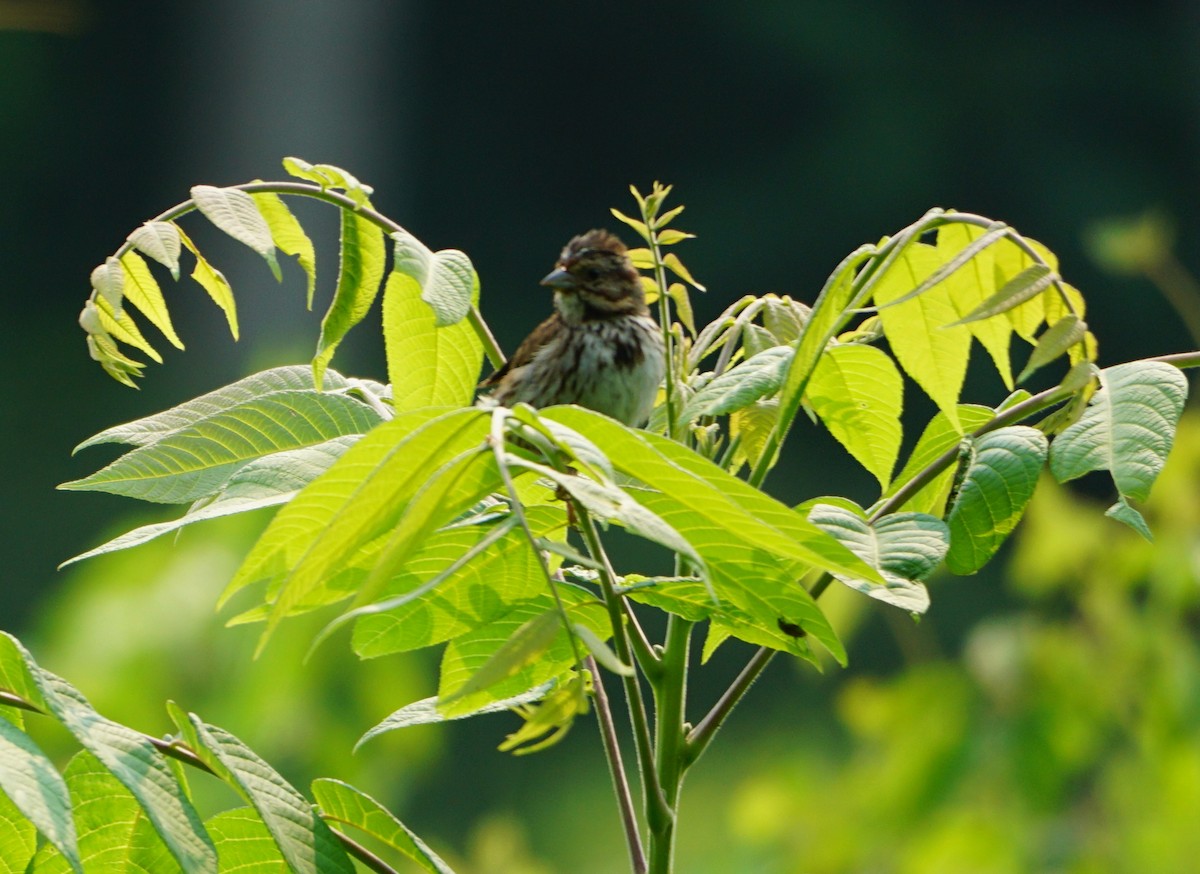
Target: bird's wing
<point>528,348</point>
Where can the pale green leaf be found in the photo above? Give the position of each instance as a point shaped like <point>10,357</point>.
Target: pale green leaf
<point>972,283</point>
<point>212,281</point>
<point>858,393</point>
<point>160,241</point>
<point>197,460</point>
<point>264,482</point>
<point>446,278</point>
<point>1010,261</point>
<point>235,212</point>
<point>329,176</point>
<point>671,261</point>
<point>683,305</point>
<point>121,327</point>
<point>1027,284</point>
<point>601,651</point>
<point>303,838</point>
<point>906,548</point>
<point>751,426</point>
<point>109,282</point>
<point>1128,428</point>
<point>427,365</point>
<point>741,385</point>
<point>996,487</point>
<point>636,224</point>
<point>932,353</point>
<point>360,273</point>
<point>151,429</point>
<point>343,805</point>
<point>1126,514</point>
<point>425,711</point>
<point>670,236</point>
<point>35,789</point>
<point>526,644</point>
<point>289,236</point>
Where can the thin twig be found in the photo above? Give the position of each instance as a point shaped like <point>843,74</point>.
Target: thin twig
<point>616,768</point>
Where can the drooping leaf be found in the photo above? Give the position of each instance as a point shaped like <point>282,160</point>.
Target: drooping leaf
<point>428,365</point>
<point>123,752</point>
<point>932,353</point>
<point>1128,428</point>
<point>160,241</point>
<point>122,328</point>
<point>426,712</point>
<point>905,547</point>
<point>360,273</point>
<point>32,785</point>
<point>288,236</point>
<point>343,805</point>
<point>446,278</point>
<point>858,393</point>
<point>972,282</point>
<point>303,838</point>
<point>198,460</point>
<point>213,281</point>
<point>235,212</point>
<point>264,482</point>
<point>143,292</point>
<point>1056,340</point>
<point>109,282</point>
<point>1027,284</point>
<point>995,489</point>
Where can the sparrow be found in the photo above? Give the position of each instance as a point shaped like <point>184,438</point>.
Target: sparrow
<point>600,349</point>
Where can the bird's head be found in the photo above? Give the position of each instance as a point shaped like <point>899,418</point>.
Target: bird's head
<point>594,279</point>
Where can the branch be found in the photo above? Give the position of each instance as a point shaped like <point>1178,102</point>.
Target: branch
<point>616,768</point>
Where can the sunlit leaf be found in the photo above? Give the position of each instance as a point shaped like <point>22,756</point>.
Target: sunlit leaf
<point>160,241</point>
<point>289,236</point>
<point>34,787</point>
<point>235,212</point>
<point>1056,340</point>
<point>213,282</point>
<point>143,292</point>
<point>329,176</point>
<point>939,436</point>
<point>741,385</point>
<point>446,278</point>
<point>996,486</point>
<point>360,273</point>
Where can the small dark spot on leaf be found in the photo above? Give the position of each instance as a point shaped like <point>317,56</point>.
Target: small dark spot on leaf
<point>791,629</point>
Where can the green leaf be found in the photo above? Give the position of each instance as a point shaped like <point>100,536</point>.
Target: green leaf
<point>1128,515</point>
<point>109,282</point>
<point>751,427</point>
<point>972,282</point>
<point>244,844</point>
<point>1128,428</point>
<point>859,395</point>
<point>143,292</point>
<point>486,665</point>
<point>1057,339</point>
<point>637,225</point>
<point>742,385</point>
<point>360,273</point>
<point>235,212</point>
<point>755,548</point>
<point>122,328</point>
<point>198,460</point>
<point>906,548</point>
<point>932,353</point>
<point>114,832</point>
<point>671,261</point>
<point>427,365</point>
<point>446,278</point>
<point>997,485</point>
<point>342,804</point>
<point>478,592</point>
<point>600,650</point>
<point>329,176</point>
<point>151,429</point>
<point>939,436</point>
<point>35,789</point>
<point>289,236</point>
<point>360,498</point>
<point>1027,284</point>
<point>264,482</point>
<point>160,241</point>
<point>426,712</point>
<point>125,753</point>
<point>302,837</point>
<point>18,839</point>
<point>212,281</point>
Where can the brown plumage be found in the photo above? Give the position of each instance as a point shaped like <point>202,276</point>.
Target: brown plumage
<point>600,348</point>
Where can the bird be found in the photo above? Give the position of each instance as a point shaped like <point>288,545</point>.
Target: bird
<point>600,348</point>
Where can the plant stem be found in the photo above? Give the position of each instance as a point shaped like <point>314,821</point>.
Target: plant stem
<point>656,806</point>
<point>616,769</point>
<point>670,749</point>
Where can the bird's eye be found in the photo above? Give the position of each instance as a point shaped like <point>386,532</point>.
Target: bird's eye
<point>591,273</point>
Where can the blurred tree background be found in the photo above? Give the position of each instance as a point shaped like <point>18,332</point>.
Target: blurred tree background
<point>1044,717</point>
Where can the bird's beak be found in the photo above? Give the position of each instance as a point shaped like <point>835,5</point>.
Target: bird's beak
<point>559,279</point>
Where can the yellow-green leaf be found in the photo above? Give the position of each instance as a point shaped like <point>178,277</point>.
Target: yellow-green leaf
<point>213,282</point>
<point>143,292</point>
<point>359,276</point>
<point>160,241</point>
<point>289,236</point>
